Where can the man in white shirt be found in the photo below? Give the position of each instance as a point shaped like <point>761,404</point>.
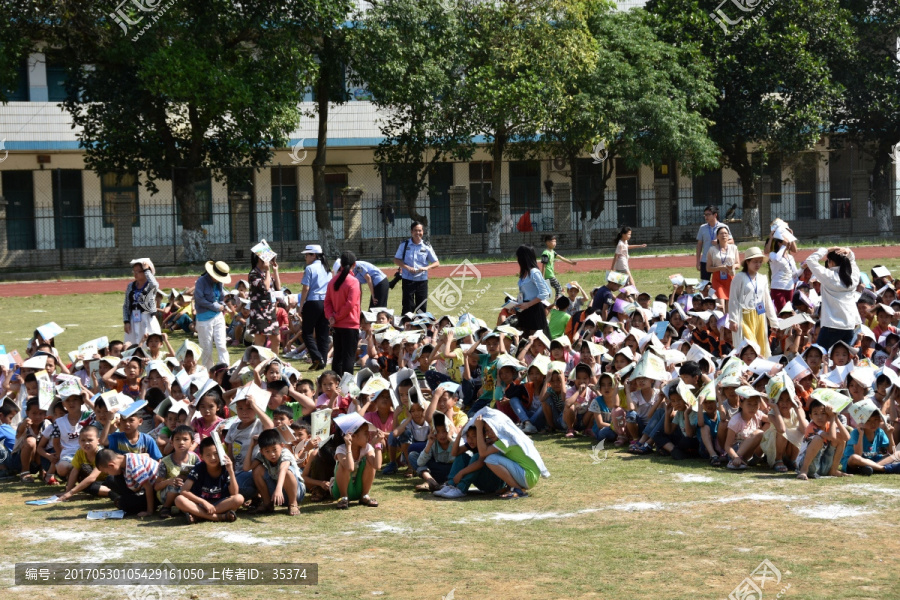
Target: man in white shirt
<point>705,238</point>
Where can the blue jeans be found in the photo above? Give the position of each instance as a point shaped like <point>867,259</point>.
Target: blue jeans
<point>438,470</point>
<point>655,423</point>
<point>516,471</point>
<point>246,487</point>
<point>606,434</point>
<point>523,415</point>
<point>558,422</point>
<point>484,479</point>
<point>477,405</point>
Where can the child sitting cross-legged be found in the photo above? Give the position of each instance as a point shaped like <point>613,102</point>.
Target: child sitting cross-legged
<point>435,461</point>
<point>745,430</point>
<point>870,449</point>
<point>277,476</point>
<point>174,467</point>
<point>355,468</point>
<point>825,437</point>
<point>210,490</point>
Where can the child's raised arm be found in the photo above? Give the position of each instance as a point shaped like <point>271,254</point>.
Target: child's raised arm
<point>307,403</point>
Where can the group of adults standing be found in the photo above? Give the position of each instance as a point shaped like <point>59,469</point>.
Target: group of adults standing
<point>329,301</point>
<point>751,300</point>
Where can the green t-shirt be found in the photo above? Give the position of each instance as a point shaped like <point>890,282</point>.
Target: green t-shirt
<point>557,323</point>
<point>548,257</point>
<point>518,456</point>
<point>294,406</point>
<point>488,376</point>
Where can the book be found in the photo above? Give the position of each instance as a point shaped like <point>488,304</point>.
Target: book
<point>797,319</point>
<point>320,425</point>
<point>43,501</point>
<point>49,331</point>
<point>659,328</point>
<point>263,251</point>
<point>881,272</point>
<point>67,385</point>
<point>98,515</point>
<point>46,392</point>
<point>833,398</point>
<point>220,449</point>
<point>254,393</point>
<point>349,386</point>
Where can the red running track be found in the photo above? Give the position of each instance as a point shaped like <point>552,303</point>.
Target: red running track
<point>292,279</point>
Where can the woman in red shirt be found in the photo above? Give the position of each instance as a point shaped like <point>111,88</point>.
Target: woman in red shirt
<point>342,306</point>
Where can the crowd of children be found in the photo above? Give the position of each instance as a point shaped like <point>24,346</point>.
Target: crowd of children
<point>452,402</point>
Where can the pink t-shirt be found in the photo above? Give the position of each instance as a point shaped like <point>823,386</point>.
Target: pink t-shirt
<point>387,425</point>
<point>745,429</point>
<point>201,430</point>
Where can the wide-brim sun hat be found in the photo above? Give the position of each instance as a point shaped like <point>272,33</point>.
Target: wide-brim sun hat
<point>312,249</point>
<point>218,270</point>
<point>751,253</point>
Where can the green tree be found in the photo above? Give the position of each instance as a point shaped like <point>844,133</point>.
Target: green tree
<point>770,66</point>
<point>641,100</point>
<point>523,54</point>
<point>870,112</point>
<point>185,88</point>
<point>20,28</point>
<point>421,48</point>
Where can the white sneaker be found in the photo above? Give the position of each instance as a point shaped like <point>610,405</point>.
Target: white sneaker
<point>440,493</point>
<point>453,493</point>
<point>529,428</point>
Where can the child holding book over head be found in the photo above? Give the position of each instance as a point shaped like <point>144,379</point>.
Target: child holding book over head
<point>130,478</point>
<point>744,435</point>
<point>605,411</point>
<point>412,433</point>
<point>331,396</point>
<point>129,439</point>
<point>707,428</point>
<point>27,433</point>
<point>508,453</point>
<point>173,468</point>
<point>238,442</point>
<point>277,476</point>
<point>575,409</point>
<point>870,449</point>
<point>65,444</point>
<point>354,470</point>
<point>210,489</point>
<point>382,420</point>
<point>677,439</point>
<point>825,436</point>
<point>207,419</point>
<point>435,461</point>
<point>552,396</point>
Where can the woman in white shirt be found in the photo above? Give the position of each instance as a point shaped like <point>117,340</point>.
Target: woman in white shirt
<point>838,280</point>
<point>781,245</point>
<point>750,305</point>
<point>721,263</point>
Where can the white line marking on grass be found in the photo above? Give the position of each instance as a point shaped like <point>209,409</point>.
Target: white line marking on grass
<point>871,487</point>
<point>640,506</point>
<point>382,527</point>
<point>758,498</point>
<point>693,478</point>
<point>831,511</point>
<point>236,537</point>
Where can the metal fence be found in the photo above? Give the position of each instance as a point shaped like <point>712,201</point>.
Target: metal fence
<point>71,218</point>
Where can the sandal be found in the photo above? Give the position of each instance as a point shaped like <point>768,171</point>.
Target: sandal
<point>294,510</point>
<point>228,517</point>
<point>735,467</point>
<point>715,461</point>
<point>620,441</point>
<point>343,504</point>
<point>262,509</point>
<point>779,467</point>
<point>370,502</point>
<point>425,487</point>
<point>191,520</point>
<point>165,513</point>
<point>514,494</point>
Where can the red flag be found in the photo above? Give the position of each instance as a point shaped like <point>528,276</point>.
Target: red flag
<point>524,224</point>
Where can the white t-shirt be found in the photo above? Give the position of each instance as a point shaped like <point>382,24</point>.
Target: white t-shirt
<point>68,437</point>
<point>240,441</point>
<point>342,449</point>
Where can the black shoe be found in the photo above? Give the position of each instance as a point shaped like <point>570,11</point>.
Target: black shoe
<point>863,470</point>
<point>678,454</point>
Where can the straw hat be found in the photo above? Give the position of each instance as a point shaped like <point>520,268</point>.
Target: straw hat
<point>751,253</point>
<point>219,271</point>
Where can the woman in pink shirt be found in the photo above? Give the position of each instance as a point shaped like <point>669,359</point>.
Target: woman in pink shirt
<point>342,306</point>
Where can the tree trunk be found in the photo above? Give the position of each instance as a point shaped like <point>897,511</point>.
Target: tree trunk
<point>739,159</point>
<point>320,197</point>
<point>412,209</point>
<point>881,194</point>
<point>598,203</point>
<point>579,205</point>
<point>193,238</point>
<point>493,202</point>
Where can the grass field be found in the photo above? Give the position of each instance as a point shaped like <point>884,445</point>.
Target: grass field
<point>604,525</point>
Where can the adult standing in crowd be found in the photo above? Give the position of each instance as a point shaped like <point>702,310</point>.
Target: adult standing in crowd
<point>534,290</point>
<point>838,278</point>
<point>210,307</point>
<point>415,258</point>
<point>262,323</point>
<point>312,306</point>
<point>139,309</point>
<point>706,237</point>
<point>342,306</point>
<point>722,261</point>
<point>368,274</point>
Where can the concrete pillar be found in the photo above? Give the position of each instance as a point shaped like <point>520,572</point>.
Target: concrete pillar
<point>37,77</point>
<point>459,204</point>
<point>122,220</point>
<point>859,195</point>
<point>4,248</point>
<point>240,221</point>
<point>562,207</point>
<point>662,190</point>
<point>352,214</point>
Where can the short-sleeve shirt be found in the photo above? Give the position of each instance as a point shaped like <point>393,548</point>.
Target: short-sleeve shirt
<point>201,430</point>
<point>139,469</point>
<point>870,449</point>
<point>240,439</point>
<point>603,298</point>
<point>548,258</point>
<point>168,468</point>
<point>707,235</point>
<point>557,323</point>
<point>488,375</point>
<point>316,278</point>
<point>68,436</point>
<point>272,467</point>
<point>417,255</point>
<point>342,449</point>
<point>621,263</point>
<point>8,436</point>
<point>212,489</point>
<point>117,442</point>
<point>364,268</point>
<point>81,461</point>
<point>743,428</point>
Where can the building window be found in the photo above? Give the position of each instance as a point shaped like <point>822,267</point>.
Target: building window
<point>284,204</point>
<point>18,189</point>
<point>480,177</point>
<point>771,181</point>
<point>840,176</point>
<point>334,191</point>
<point>115,186</point>
<point>18,92</point>
<point>708,189</point>
<point>525,186</point>
<point>68,208</point>
<point>56,82</point>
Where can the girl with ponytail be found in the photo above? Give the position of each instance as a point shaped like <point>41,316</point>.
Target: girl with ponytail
<point>342,309</point>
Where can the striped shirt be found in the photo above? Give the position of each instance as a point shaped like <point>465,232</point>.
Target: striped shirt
<point>139,469</point>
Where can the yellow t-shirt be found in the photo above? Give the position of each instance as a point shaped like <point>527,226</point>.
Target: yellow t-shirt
<point>81,459</point>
